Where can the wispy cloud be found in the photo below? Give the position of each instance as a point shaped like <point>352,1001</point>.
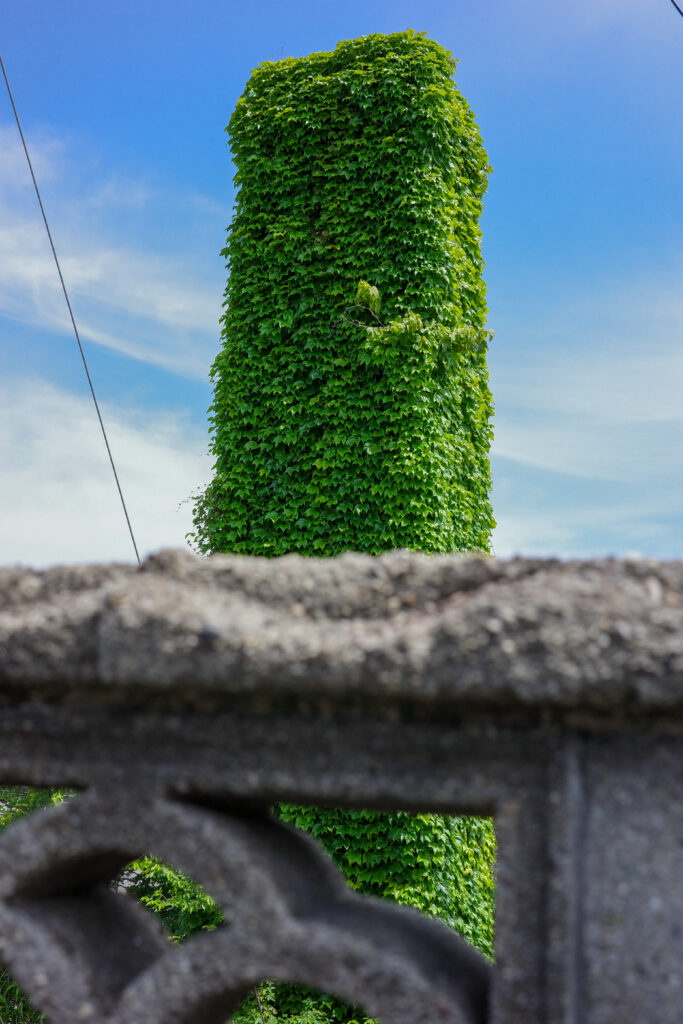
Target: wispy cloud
<point>127,297</point>
<point>48,158</point>
<point>608,358</point>
<point>588,449</point>
<point>553,514</point>
<point>59,502</point>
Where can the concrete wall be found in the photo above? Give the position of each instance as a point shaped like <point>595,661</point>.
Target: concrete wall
<point>185,697</point>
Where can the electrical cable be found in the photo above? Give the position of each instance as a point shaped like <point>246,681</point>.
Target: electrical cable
<point>679,9</point>
<point>68,306</point>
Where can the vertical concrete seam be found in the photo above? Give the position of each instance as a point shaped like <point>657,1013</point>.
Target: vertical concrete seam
<point>578,818</point>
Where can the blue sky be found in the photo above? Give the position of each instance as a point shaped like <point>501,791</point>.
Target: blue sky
<point>124,104</point>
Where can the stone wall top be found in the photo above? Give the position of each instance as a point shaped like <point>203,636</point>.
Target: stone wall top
<point>402,629</point>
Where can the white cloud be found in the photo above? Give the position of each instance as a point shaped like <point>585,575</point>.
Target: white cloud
<point>543,513</point>
<point>158,309</point>
<point>47,158</point>
<point>602,398</point>
<point>59,501</point>
<point>531,533</point>
<point>588,448</point>
<point>591,531</point>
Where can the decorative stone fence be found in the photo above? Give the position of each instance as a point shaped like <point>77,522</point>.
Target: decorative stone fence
<point>185,697</point>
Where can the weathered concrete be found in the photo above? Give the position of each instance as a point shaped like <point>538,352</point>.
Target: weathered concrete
<point>604,636</point>
<point>188,695</point>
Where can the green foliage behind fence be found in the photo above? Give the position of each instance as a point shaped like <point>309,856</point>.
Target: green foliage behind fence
<point>441,865</point>
<point>351,404</point>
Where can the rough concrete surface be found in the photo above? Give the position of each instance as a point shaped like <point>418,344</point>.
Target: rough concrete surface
<point>602,635</point>
<point>186,696</point>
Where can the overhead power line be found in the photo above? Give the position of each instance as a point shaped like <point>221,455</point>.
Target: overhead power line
<point>68,306</point>
<point>679,9</point>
